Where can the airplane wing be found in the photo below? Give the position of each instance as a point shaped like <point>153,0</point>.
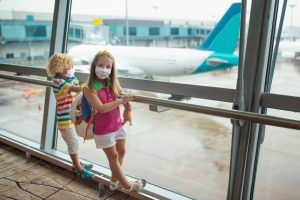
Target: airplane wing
<point>214,62</point>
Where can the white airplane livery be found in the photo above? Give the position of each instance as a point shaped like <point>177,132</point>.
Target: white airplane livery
<point>216,52</point>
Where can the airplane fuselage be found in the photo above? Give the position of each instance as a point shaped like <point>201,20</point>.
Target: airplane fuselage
<point>149,60</point>
<point>215,53</point>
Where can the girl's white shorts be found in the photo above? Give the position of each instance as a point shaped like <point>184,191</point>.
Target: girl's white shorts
<point>109,140</point>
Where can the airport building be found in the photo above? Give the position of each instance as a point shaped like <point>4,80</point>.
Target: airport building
<point>215,113</point>
<point>25,35</point>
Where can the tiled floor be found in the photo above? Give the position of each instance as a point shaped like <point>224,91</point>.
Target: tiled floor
<point>38,179</point>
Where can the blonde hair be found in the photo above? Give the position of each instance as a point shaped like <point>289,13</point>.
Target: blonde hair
<point>114,83</point>
<point>57,63</point>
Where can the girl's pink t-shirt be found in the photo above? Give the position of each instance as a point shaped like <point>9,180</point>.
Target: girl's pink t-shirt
<point>105,123</point>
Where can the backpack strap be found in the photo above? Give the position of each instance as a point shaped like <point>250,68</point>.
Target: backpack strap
<point>91,120</point>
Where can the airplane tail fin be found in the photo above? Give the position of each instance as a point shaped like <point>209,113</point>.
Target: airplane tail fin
<point>223,38</point>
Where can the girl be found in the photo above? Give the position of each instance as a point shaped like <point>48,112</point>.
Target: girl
<point>101,92</point>
<point>65,86</point>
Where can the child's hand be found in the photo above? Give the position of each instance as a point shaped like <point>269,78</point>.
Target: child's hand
<point>126,98</point>
<point>76,89</point>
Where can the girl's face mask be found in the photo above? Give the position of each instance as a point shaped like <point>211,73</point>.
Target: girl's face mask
<point>102,73</point>
<point>70,73</point>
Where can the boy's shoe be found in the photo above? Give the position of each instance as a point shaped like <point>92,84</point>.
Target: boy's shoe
<point>86,165</point>
<point>85,174</point>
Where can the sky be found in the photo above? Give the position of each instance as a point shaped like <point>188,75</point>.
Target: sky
<point>160,9</point>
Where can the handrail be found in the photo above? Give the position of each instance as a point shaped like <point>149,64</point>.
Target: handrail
<point>220,112</point>
<point>232,114</point>
<point>26,79</point>
<point>173,88</point>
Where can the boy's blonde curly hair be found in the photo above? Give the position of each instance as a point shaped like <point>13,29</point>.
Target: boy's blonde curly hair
<point>57,63</point>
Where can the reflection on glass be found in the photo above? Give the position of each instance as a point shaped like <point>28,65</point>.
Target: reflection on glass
<point>25,32</point>
<point>287,69</point>
<point>166,46</point>
<point>278,174</point>
<point>21,108</point>
<point>183,151</point>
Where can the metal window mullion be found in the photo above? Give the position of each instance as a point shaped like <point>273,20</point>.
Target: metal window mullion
<point>58,42</point>
<point>267,86</point>
<point>254,65</point>
<point>238,104</point>
<point>263,57</point>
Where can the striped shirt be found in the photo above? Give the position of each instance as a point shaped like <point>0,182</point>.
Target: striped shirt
<point>64,98</point>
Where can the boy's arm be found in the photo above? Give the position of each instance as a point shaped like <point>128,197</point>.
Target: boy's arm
<point>76,89</point>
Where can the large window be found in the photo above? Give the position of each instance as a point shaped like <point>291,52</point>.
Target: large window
<point>22,109</point>
<point>165,29</point>
<point>278,167</point>
<point>25,32</point>
<point>188,145</point>
<point>186,152</point>
<point>287,68</point>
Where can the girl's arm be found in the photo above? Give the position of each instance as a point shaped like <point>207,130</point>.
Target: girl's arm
<point>102,108</point>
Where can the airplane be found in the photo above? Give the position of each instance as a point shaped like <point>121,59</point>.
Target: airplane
<point>289,49</point>
<point>215,53</point>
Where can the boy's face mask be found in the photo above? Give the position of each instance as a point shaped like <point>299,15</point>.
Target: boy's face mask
<point>102,73</point>
<point>70,73</point>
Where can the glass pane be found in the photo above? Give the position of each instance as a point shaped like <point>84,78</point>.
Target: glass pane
<point>172,43</point>
<point>25,31</point>
<point>278,174</point>
<point>287,69</point>
<point>22,109</point>
<point>183,151</point>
